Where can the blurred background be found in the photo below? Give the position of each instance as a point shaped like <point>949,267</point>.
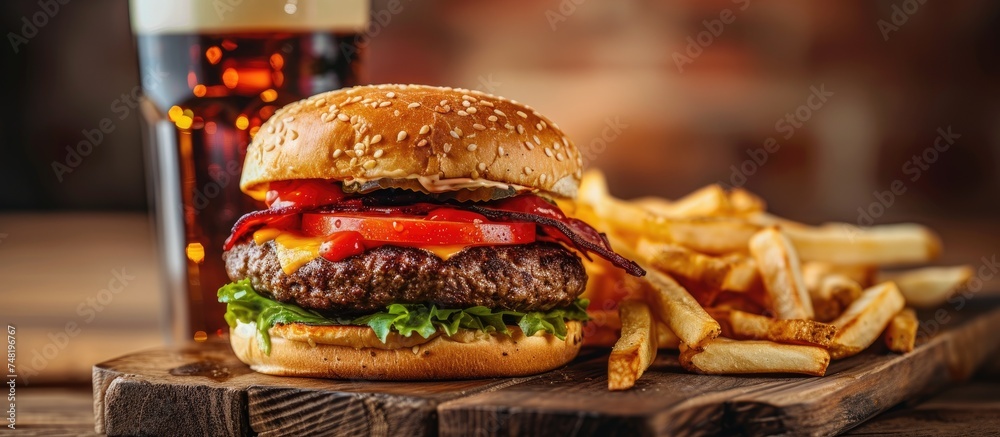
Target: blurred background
<point>817,106</point>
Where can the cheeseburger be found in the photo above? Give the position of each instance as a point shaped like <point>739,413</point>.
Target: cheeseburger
<point>410,233</point>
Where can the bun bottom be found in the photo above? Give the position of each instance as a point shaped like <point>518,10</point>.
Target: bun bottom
<point>475,356</point>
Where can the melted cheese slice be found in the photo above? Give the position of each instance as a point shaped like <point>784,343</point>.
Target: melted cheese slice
<point>294,250</point>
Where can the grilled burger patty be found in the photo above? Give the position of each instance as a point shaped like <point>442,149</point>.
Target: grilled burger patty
<point>533,277</point>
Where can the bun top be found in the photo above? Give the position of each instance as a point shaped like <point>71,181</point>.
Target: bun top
<point>418,137</point>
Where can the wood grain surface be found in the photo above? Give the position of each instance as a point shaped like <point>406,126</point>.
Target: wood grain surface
<point>204,390</point>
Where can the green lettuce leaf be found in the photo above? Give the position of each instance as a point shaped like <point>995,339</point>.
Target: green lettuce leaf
<point>244,304</point>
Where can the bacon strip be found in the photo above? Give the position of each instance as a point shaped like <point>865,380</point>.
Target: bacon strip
<point>550,219</point>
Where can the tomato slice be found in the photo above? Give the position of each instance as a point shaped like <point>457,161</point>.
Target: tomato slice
<point>419,230</point>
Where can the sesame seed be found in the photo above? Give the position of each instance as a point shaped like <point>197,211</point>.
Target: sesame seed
<point>378,153</point>
<point>455,134</point>
<point>472,147</point>
<point>462,113</point>
<point>527,170</point>
<point>390,95</point>
<point>473,110</point>
<point>482,166</point>
<point>492,118</point>
<point>538,126</point>
<point>376,139</point>
<point>288,119</point>
<point>542,178</point>
<point>354,119</point>
<point>395,113</point>
<point>443,103</point>
<point>343,117</point>
<point>472,135</point>
<point>544,125</point>
<point>401,136</point>
<point>500,150</point>
<point>556,146</point>
<point>529,145</point>
<point>413,105</point>
<point>359,145</point>
<point>458,130</point>
<point>446,147</point>
<point>384,104</point>
<point>354,161</point>
<point>537,141</point>
<point>509,126</point>
<point>522,114</point>
<point>270,128</point>
<point>499,112</point>
<point>422,143</point>
<point>374,104</point>
<point>560,156</point>
<point>424,129</point>
<point>475,174</point>
<point>370,164</point>
<point>478,126</point>
<point>337,153</point>
<point>485,103</point>
<point>520,129</point>
<point>366,101</point>
<point>466,103</point>
<point>468,97</point>
<point>359,152</point>
<point>324,117</point>
<point>565,141</point>
<point>548,152</point>
<point>356,99</point>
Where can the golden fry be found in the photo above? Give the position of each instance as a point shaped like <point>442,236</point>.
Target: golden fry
<point>865,319</point>
<point>681,312</point>
<point>636,349</point>
<point>901,334</point>
<point>723,356</point>
<point>779,268</point>
<point>929,287</point>
<point>747,326</point>
<point>879,245</point>
<point>681,262</point>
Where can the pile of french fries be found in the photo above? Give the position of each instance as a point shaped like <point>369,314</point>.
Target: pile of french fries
<point>736,290</point>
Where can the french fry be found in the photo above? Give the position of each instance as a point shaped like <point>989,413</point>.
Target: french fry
<point>681,262</point>
<point>746,326</point>
<point>723,356</point>
<point>709,235</point>
<point>655,205</point>
<point>865,319</point>
<point>743,276</point>
<point>746,302</point>
<point>830,292</point>
<point>929,287</point>
<point>665,338</point>
<point>681,312</point>
<point>880,245</point>
<point>636,349</point>
<point>901,334</point>
<point>743,202</point>
<point>710,200</point>
<point>864,275</point>
<point>779,268</point>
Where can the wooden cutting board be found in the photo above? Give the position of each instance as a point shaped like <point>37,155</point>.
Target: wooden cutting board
<point>204,390</point>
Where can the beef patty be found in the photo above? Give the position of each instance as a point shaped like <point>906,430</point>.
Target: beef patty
<point>532,277</point>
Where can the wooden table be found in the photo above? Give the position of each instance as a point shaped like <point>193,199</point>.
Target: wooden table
<point>88,247</point>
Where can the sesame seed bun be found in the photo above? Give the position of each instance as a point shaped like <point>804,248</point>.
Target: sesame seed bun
<point>415,134</point>
<point>353,352</point>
